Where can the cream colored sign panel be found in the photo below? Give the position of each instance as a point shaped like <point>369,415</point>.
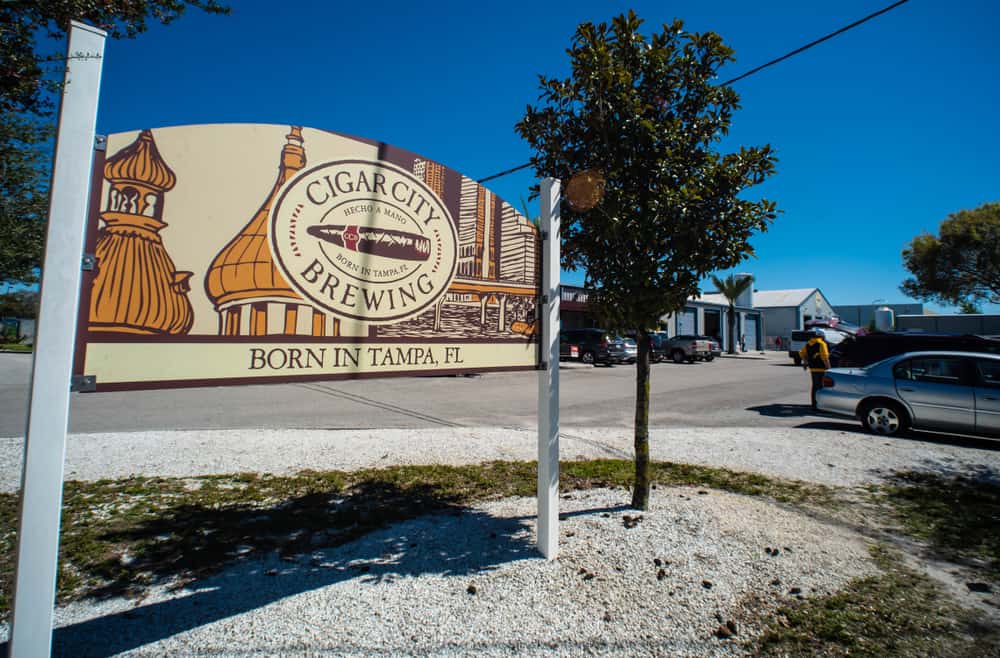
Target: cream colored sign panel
<point>214,241</point>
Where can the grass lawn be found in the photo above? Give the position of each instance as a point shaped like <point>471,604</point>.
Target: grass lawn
<point>119,537</point>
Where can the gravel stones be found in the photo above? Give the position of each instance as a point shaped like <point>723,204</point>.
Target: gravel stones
<point>796,453</point>
<point>602,596</point>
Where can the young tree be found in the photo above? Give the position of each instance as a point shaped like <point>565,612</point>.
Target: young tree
<point>637,122</point>
<point>960,266</point>
<point>24,157</point>
<point>731,288</point>
<point>29,75</point>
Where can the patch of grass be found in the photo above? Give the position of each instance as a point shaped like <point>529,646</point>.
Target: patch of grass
<point>15,347</point>
<point>896,613</point>
<point>121,536</point>
<point>958,517</point>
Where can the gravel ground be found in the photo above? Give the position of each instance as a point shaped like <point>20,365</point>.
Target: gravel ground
<point>472,584</point>
<point>408,589</point>
<point>835,457</point>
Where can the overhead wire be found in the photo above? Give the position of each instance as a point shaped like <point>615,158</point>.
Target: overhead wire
<point>753,70</point>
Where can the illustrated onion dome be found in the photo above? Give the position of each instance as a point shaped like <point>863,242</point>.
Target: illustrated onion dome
<point>244,269</point>
<point>137,288</point>
<point>140,164</point>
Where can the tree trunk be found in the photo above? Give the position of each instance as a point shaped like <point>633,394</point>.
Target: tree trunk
<point>732,330</point>
<point>640,495</point>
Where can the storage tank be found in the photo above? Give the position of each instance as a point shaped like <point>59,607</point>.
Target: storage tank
<point>885,319</point>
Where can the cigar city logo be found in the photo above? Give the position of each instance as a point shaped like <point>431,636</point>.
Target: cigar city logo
<point>364,239</point>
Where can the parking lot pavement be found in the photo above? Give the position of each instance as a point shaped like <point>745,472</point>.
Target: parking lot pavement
<point>725,392</point>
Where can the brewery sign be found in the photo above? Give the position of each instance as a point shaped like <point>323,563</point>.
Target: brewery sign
<point>244,253</point>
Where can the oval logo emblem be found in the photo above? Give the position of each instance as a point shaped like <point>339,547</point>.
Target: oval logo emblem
<point>364,239</point>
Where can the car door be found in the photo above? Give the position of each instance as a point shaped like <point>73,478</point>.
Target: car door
<point>938,391</point>
<point>987,396</point>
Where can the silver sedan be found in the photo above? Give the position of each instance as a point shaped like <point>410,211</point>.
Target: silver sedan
<point>943,391</point>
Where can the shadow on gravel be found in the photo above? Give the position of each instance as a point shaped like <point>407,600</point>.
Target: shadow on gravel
<point>784,410</point>
<point>236,560</point>
<point>436,545</point>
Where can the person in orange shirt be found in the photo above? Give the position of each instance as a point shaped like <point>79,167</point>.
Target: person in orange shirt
<point>816,357</point>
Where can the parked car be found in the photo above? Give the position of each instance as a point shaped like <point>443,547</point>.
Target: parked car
<point>832,337</point>
<point>658,341</point>
<point>714,347</point>
<point>950,391</point>
<point>631,350</point>
<point>568,351</point>
<point>687,348</point>
<point>595,346</point>
<point>863,350</point>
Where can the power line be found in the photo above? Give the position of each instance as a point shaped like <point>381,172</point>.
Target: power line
<point>816,42</point>
<point>754,70</point>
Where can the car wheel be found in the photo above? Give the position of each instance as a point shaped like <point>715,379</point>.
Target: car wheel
<point>797,360</point>
<point>709,358</point>
<point>885,418</point>
<point>588,357</point>
<point>677,356</point>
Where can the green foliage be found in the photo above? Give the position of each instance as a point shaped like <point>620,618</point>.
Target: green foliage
<point>962,264</point>
<point>644,113</point>
<point>731,288</point>
<point>31,67</point>
<point>971,308</point>
<point>653,207</point>
<point>26,73</point>
<point>24,183</point>
<point>19,304</point>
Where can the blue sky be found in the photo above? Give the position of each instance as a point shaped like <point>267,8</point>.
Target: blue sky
<point>880,133</point>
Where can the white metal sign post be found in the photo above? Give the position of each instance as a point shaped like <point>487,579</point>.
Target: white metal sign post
<point>48,414</point>
<point>548,376</point>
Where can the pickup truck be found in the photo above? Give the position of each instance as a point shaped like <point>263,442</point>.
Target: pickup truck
<point>681,348</point>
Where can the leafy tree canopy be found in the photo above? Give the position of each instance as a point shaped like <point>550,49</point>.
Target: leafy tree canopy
<point>961,265</point>
<point>24,67</point>
<point>19,304</point>
<point>24,157</point>
<point>641,116</point>
<point>31,64</point>
<point>650,206</point>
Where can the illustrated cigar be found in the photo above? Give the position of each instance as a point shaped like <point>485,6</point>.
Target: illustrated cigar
<point>374,241</point>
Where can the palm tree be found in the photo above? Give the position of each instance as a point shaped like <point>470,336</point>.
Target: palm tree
<point>731,288</point>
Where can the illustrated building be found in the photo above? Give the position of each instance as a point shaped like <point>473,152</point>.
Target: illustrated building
<point>477,231</point>
<point>246,287</point>
<point>518,246</point>
<point>137,288</point>
<point>432,174</point>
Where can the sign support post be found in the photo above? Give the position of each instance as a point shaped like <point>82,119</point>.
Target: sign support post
<point>548,376</point>
<point>48,412</point>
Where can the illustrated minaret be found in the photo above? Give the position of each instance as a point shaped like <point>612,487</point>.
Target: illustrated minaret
<point>137,289</point>
<point>243,282</point>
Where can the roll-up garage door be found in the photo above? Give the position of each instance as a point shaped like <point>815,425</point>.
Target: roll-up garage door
<point>751,332</point>
<point>687,321</point>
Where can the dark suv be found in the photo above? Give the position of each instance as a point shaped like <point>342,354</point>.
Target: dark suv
<point>596,345</point>
<point>860,351</point>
